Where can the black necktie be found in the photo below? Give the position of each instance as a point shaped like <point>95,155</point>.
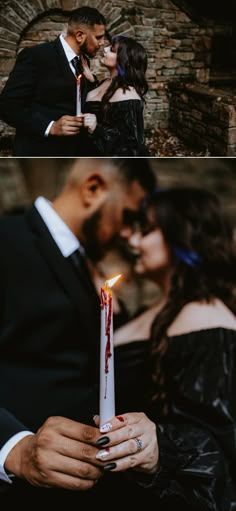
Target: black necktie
<point>80,264</point>
<point>78,259</point>
<point>76,63</point>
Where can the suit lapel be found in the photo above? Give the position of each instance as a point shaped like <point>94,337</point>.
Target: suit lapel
<point>63,62</point>
<point>67,72</point>
<point>85,299</point>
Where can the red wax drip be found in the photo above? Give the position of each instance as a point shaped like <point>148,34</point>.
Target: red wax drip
<point>106,302</point>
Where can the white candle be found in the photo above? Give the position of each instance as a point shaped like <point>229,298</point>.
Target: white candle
<point>78,96</point>
<point>107,386</point>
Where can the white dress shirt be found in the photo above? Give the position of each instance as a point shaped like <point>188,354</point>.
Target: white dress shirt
<point>67,244</point>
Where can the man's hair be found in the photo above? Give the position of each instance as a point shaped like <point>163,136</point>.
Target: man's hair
<point>86,16</point>
<point>136,169</point>
<point>126,170</point>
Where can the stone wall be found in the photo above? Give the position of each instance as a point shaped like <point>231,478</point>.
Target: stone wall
<point>206,116</point>
<point>178,48</point>
<point>22,179</point>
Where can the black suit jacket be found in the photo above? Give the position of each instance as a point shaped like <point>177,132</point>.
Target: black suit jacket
<point>49,331</point>
<point>41,88</point>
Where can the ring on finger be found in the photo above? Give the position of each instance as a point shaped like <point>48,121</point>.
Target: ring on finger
<point>139,444</point>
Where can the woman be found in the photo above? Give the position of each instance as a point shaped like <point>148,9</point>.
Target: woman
<point>114,117</point>
<point>184,450</point>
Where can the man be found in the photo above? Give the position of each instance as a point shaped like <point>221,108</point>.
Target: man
<point>49,329</point>
<point>39,98</point>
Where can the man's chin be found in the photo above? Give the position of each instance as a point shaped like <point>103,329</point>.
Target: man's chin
<point>91,55</point>
<point>138,268</point>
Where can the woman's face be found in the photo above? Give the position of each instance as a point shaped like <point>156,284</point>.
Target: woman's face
<point>152,254</point>
<point>109,58</point>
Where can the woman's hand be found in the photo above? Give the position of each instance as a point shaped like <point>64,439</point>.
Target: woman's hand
<point>90,122</point>
<point>86,70</point>
<point>129,441</point>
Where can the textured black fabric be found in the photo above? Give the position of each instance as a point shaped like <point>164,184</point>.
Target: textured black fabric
<point>197,436</point>
<point>118,133</point>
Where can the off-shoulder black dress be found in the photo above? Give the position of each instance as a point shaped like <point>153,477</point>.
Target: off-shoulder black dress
<point>120,132</point>
<point>197,435</point>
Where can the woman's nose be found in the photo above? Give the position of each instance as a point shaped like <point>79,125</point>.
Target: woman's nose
<point>134,239</point>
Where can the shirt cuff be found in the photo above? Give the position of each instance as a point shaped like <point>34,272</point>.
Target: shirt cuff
<point>8,446</point>
<point>48,129</point>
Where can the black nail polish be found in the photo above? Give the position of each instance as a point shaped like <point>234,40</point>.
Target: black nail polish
<point>104,440</point>
<point>109,466</point>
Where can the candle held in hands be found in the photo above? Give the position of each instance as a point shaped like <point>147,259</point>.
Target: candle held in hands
<point>107,386</point>
<point>78,96</point>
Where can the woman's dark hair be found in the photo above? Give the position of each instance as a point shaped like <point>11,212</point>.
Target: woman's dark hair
<point>131,65</point>
<point>204,255</point>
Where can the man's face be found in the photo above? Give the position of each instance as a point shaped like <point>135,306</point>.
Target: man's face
<point>94,40</point>
<point>113,220</point>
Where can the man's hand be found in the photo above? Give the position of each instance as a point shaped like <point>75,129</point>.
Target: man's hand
<point>67,125</point>
<point>61,454</point>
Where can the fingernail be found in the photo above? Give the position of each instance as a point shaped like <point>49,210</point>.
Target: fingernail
<point>95,417</point>
<point>109,466</point>
<point>101,455</point>
<point>103,440</point>
<point>120,418</point>
<point>106,427</point>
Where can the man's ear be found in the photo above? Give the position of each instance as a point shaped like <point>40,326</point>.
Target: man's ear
<point>93,190</point>
<point>80,37</point>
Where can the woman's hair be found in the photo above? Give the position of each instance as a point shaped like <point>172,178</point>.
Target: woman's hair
<point>131,66</point>
<point>201,239</point>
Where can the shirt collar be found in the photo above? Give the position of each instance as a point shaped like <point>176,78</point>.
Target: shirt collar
<point>62,235</point>
<point>70,54</point>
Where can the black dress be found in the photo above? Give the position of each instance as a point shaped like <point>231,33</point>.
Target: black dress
<point>197,433</point>
<point>120,132</point>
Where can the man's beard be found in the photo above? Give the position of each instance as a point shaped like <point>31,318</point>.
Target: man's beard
<point>95,250</point>
<point>84,51</point>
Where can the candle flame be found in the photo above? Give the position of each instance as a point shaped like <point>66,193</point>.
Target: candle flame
<point>111,282</point>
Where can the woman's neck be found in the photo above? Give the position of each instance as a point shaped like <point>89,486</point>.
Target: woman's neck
<point>113,72</point>
<point>163,280</point>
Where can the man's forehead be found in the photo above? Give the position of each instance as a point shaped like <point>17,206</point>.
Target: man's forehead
<point>98,30</point>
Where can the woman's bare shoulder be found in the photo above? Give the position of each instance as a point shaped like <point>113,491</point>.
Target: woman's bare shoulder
<point>120,95</point>
<point>196,316</point>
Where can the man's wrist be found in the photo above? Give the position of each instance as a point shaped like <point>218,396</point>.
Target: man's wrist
<point>5,450</point>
